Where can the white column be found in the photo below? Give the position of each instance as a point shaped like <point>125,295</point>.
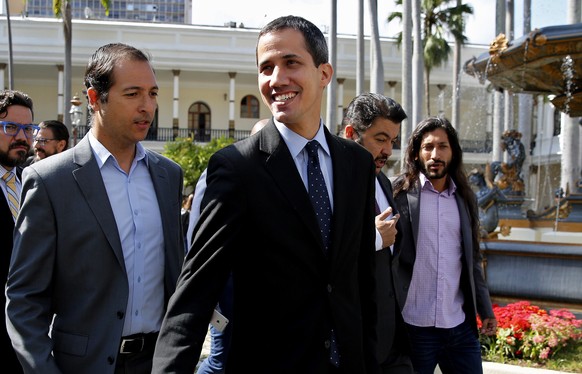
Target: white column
<point>497,125</point>
<point>60,95</point>
<point>176,103</point>
<point>232,77</point>
<point>441,99</point>
<point>2,69</point>
<point>340,104</point>
<point>392,85</point>
<point>570,148</point>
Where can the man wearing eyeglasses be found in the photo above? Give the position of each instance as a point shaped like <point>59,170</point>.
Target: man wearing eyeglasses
<point>16,134</point>
<point>52,138</point>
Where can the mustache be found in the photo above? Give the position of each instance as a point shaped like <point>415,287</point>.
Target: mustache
<point>19,143</point>
<point>435,162</point>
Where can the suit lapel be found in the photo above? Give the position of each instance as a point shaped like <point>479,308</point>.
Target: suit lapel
<point>342,174</point>
<point>387,190</point>
<point>88,177</point>
<point>414,204</point>
<point>281,166</point>
<point>160,181</point>
<point>466,236</point>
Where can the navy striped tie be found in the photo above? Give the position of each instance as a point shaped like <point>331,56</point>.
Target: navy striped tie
<point>320,201</point>
<point>318,193</point>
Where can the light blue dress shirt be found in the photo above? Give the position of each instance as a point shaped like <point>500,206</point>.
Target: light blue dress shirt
<point>137,215</point>
<point>296,144</point>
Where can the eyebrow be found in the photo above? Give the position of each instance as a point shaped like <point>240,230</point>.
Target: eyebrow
<point>288,56</point>
<point>156,87</point>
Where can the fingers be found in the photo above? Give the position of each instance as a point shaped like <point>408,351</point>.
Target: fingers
<point>385,214</point>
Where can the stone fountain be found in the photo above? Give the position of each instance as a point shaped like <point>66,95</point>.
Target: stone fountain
<point>545,61</point>
<point>537,257</point>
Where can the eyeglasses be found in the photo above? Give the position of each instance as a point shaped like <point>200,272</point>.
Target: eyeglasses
<point>13,128</point>
<point>42,141</point>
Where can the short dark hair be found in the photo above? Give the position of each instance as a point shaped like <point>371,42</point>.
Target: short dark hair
<point>366,107</point>
<point>99,71</point>
<point>9,98</point>
<point>314,39</point>
<point>60,131</point>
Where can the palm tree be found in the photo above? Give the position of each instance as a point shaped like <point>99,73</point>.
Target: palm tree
<point>438,20</point>
<point>376,65</point>
<point>62,9</point>
<point>10,53</point>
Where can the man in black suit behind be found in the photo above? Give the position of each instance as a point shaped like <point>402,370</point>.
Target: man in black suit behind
<point>15,141</point>
<point>373,121</point>
<point>301,301</point>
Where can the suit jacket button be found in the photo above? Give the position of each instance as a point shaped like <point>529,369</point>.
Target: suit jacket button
<point>329,288</point>
<point>327,344</point>
<point>120,314</point>
<point>110,360</point>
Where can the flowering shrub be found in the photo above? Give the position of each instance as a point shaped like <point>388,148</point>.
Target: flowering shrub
<point>529,332</point>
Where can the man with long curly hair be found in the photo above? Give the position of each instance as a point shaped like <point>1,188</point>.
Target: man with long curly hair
<point>437,264</point>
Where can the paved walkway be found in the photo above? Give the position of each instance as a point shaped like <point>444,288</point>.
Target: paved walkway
<point>488,367</point>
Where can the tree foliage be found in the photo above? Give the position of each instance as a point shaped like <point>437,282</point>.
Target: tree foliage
<point>440,20</point>
<point>193,157</point>
<point>58,7</point>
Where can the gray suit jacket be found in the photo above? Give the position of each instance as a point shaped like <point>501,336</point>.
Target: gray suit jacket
<point>68,263</point>
<point>473,286</point>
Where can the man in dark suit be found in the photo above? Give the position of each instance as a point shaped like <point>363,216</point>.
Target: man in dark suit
<point>373,121</point>
<point>437,264</point>
<point>98,243</point>
<point>16,134</point>
<point>302,295</point>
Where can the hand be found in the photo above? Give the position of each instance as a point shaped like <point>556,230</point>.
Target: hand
<point>489,327</point>
<point>387,229</point>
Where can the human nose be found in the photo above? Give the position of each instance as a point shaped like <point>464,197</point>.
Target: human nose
<point>149,104</point>
<point>21,135</point>
<point>278,76</point>
<point>387,149</point>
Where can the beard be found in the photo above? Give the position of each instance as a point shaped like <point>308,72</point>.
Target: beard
<point>7,160</point>
<point>435,174</point>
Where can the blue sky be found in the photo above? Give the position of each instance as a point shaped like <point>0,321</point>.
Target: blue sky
<point>480,25</point>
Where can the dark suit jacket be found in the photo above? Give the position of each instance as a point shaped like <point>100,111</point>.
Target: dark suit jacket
<point>68,262</point>
<point>7,225</point>
<point>473,285</point>
<point>257,221</point>
<point>392,338</point>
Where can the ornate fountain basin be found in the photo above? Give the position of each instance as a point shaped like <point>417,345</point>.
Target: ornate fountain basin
<point>545,61</point>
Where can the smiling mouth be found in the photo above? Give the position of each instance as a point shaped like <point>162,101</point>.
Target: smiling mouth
<point>284,97</point>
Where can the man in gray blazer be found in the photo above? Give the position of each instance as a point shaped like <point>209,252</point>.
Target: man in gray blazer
<point>98,244</point>
<point>437,264</point>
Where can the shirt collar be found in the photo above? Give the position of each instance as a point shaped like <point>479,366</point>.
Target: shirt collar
<point>4,171</point>
<point>296,142</point>
<point>425,183</point>
<point>102,154</point>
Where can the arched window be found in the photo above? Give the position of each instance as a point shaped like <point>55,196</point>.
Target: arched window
<point>199,121</point>
<point>249,107</point>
